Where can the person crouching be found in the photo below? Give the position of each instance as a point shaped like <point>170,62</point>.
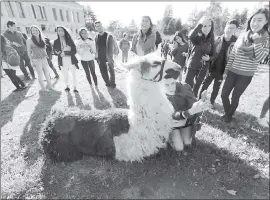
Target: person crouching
<point>187,109</point>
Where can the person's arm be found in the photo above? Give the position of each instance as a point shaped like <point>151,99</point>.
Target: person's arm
<point>193,35</point>
<point>72,49</point>
<point>261,48</point>
<point>56,49</point>
<point>93,47</point>
<point>120,44</point>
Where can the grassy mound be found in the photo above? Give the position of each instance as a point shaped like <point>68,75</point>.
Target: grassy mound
<point>69,134</point>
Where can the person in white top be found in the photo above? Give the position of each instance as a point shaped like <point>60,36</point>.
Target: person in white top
<point>86,48</point>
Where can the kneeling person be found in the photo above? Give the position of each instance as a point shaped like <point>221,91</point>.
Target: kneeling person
<point>187,109</point>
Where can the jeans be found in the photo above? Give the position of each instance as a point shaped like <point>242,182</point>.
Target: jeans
<point>11,73</point>
<point>42,67</point>
<point>67,65</point>
<point>26,59</point>
<point>195,78</point>
<point>51,64</point>
<point>238,84</point>
<point>265,108</point>
<point>124,56</point>
<point>207,81</point>
<point>104,72</point>
<point>89,66</point>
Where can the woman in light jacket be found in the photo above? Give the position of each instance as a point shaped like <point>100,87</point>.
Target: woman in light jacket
<point>144,41</point>
<point>87,50</point>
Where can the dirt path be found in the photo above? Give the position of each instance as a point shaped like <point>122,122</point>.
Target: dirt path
<point>208,172</point>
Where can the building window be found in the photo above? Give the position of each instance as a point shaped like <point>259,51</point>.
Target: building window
<point>54,14</point>
<point>27,30</point>
<point>78,18</point>
<point>67,15</point>
<point>73,16</point>
<point>34,12</point>
<point>44,12</point>
<point>20,9</point>
<point>61,14</point>
<point>9,9</point>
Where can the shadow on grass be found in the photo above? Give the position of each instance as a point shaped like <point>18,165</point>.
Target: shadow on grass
<point>206,173</point>
<point>10,103</point>
<point>118,97</point>
<point>99,100</point>
<point>79,102</point>
<point>30,136</point>
<point>243,124</point>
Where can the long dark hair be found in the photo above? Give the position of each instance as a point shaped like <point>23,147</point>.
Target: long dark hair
<point>150,30</point>
<point>179,34</point>
<point>41,42</point>
<point>262,11</point>
<point>67,35</point>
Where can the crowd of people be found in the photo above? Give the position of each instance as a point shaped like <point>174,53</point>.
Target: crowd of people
<point>204,58</point>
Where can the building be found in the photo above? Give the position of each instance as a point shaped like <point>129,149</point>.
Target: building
<point>42,14</point>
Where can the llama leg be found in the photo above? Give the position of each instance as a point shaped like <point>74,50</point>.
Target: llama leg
<point>176,140</point>
<point>186,135</point>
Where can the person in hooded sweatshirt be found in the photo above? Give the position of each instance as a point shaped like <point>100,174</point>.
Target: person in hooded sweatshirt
<point>86,48</point>
<point>124,46</point>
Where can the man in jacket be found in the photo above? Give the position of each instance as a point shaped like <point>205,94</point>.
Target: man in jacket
<point>124,46</point>
<point>18,42</point>
<point>223,46</point>
<point>104,45</point>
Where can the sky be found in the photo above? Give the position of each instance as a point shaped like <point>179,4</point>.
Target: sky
<point>126,11</point>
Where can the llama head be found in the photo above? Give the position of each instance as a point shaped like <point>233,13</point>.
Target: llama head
<point>153,68</point>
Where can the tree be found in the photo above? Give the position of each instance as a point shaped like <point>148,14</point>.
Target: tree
<point>90,18</point>
<point>243,17</point>
<point>171,27</point>
<point>168,15</point>
<point>194,17</point>
<point>113,25</point>
<point>214,11</point>
<point>178,24</point>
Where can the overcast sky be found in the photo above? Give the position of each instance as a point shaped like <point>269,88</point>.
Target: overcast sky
<point>126,11</point>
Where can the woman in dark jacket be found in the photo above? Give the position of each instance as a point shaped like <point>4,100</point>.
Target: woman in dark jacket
<point>65,48</point>
<point>180,48</point>
<point>201,51</point>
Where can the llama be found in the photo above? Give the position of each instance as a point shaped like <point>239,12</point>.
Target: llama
<point>145,127</point>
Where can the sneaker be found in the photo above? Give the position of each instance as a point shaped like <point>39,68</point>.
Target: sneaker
<point>23,88</point>
<point>67,89</point>
<point>75,91</point>
<point>108,85</point>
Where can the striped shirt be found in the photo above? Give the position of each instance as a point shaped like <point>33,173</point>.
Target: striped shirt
<point>242,64</point>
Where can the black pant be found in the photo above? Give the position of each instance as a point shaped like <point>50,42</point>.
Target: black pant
<point>195,78</point>
<point>89,65</point>
<point>104,72</point>
<point>11,73</point>
<point>265,108</point>
<point>24,58</point>
<point>238,84</point>
<point>207,81</point>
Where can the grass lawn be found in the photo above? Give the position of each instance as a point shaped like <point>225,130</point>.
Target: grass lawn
<point>229,161</point>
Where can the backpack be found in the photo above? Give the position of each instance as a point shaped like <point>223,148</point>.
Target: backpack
<point>13,58</point>
<point>115,47</point>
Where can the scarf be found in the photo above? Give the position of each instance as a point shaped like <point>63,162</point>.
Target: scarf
<point>245,44</point>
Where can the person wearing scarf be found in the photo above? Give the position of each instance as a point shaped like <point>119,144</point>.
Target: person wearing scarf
<point>36,49</point>
<point>143,42</point>
<point>250,49</point>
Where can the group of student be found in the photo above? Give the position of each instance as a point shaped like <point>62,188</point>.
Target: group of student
<point>204,58</point>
